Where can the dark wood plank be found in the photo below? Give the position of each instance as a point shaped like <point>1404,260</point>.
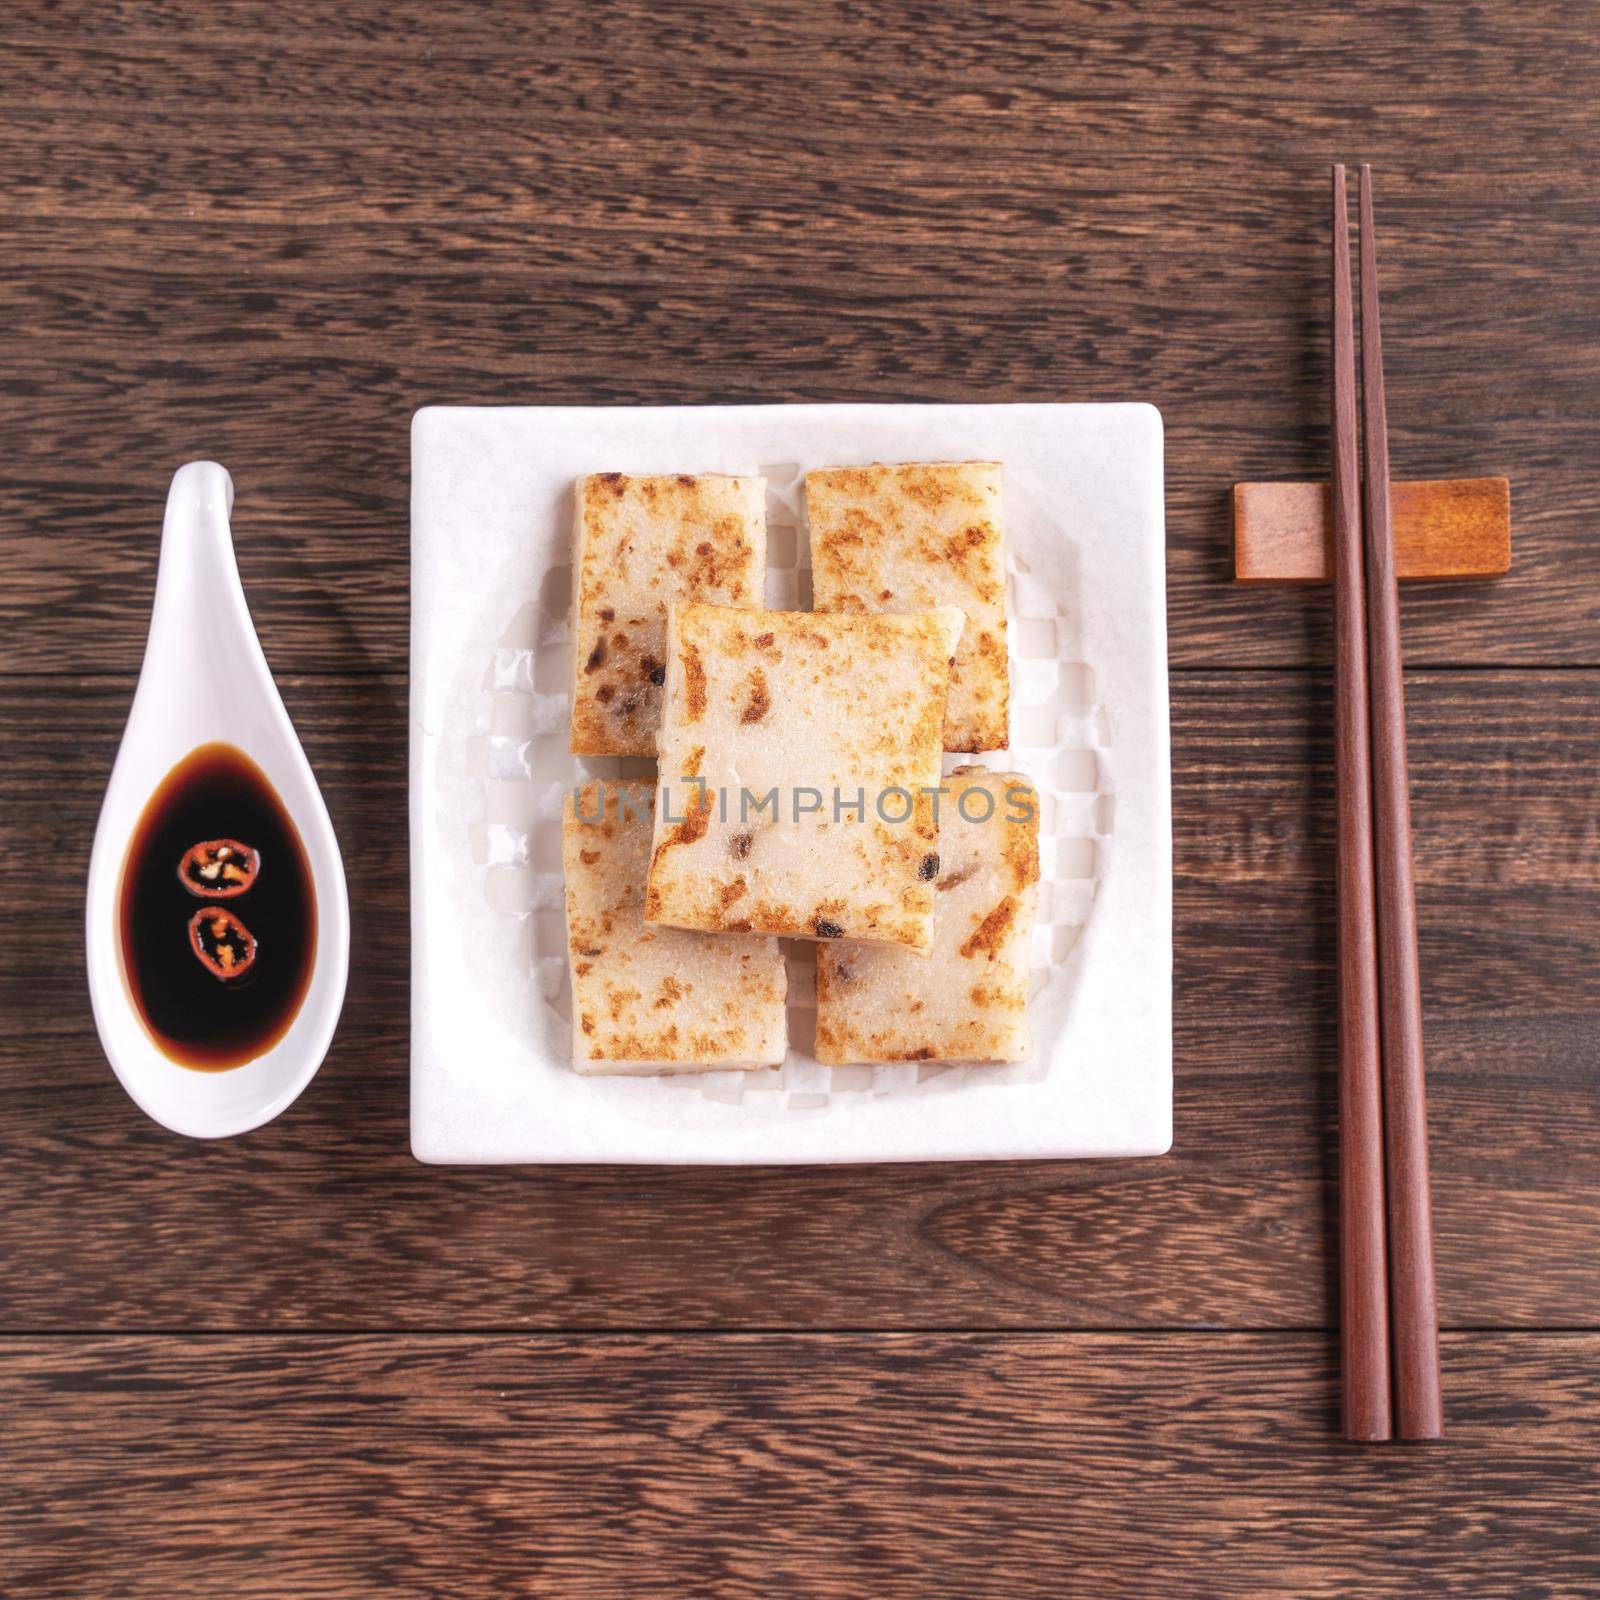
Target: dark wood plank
<point>1163,74</point>
<point>1005,202</point>
<point>267,232</point>
<point>323,1219</point>
<point>833,1466</point>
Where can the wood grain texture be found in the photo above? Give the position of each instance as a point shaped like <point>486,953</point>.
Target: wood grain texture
<point>994,201</point>
<point>329,1223</point>
<point>1444,528</point>
<point>907,1468</point>
<point>268,233</point>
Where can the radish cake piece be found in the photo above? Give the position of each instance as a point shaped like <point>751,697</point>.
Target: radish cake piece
<point>648,999</point>
<point>799,760</point>
<point>912,537</point>
<point>968,1000</point>
<point>638,544</point>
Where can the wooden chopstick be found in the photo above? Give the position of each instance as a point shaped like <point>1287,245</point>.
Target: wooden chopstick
<point>1413,1302</point>
<point>1363,1278</point>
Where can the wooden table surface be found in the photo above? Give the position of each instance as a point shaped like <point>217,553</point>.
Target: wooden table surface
<point>301,1364</point>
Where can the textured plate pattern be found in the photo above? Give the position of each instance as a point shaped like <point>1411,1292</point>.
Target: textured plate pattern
<point>502,771</point>
<point>1060,739</point>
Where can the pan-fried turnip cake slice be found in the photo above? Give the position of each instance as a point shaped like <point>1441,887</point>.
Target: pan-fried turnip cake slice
<point>652,999</point>
<point>968,1000</point>
<point>800,758</point>
<point>911,537</point>
<point>638,544</point>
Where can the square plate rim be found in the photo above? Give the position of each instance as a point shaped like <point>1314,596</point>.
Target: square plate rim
<point>732,1148</point>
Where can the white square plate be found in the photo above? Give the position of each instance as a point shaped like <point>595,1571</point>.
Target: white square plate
<point>491,509</point>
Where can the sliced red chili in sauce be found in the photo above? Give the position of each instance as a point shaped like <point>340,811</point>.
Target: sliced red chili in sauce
<point>221,943</point>
<point>218,869</point>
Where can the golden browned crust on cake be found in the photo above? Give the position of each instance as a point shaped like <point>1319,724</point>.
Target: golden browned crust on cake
<point>846,705</point>
<point>910,536</point>
<point>648,999</point>
<point>967,1001</point>
<point>638,544</point>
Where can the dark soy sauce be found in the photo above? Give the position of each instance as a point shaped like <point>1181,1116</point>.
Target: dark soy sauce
<point>216,792</point>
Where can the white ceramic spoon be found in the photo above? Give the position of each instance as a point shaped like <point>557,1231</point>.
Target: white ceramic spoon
<point>205,679</point>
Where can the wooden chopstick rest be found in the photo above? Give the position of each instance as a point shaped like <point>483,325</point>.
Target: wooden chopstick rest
<point>1443,528</point>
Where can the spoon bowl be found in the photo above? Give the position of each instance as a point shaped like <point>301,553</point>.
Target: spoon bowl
<point>205,680</point>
